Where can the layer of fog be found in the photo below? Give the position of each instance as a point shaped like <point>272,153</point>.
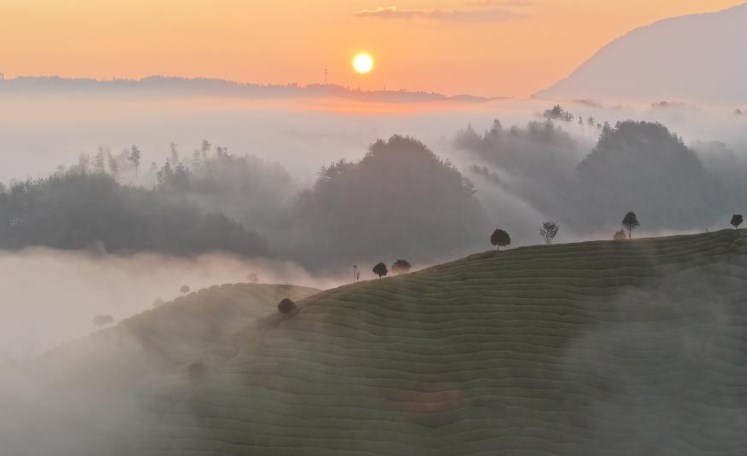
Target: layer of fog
<point>50,297</point>
<point>39,134</point>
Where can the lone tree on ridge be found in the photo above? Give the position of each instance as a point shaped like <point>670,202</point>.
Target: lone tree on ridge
<point>630,221</point>
<point>500,238</point>
<point>548,231</point>
<point>736,220</point>
<point>401,267</point>
<point>380,270</point>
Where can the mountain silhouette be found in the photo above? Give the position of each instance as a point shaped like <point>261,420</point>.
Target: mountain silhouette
<point>699,58</point>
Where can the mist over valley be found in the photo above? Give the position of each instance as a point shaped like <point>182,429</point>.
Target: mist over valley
<point>228,261</point>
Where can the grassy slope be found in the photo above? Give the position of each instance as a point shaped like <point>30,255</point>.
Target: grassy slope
<point>98,394</point>
<point>177,333</point>
<point>615,348</point>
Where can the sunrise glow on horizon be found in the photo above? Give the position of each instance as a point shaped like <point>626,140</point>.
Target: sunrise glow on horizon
<point>496,48</point>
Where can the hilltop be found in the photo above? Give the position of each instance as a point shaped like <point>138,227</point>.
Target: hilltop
<point>615,348</point>
<point>699,58</point>
<point>99,394</point>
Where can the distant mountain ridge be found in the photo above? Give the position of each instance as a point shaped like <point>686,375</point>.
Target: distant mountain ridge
<point>700,58</point>
<point>178,86</point>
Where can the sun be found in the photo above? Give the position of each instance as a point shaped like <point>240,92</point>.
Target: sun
<point>363,63</point>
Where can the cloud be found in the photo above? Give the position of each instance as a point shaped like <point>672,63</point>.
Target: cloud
<point>503,3</point>
<point>454,15</point>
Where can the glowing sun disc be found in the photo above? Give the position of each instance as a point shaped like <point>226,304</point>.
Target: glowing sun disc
<point>363,63</point>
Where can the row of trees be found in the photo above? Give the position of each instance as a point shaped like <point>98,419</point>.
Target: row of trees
<point>549,230</point>
<point>675,186</point>
<point>557,112</point>
<point>398,267</point>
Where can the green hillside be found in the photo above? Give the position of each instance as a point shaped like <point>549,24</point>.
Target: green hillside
<point>99,394</point>
<point>599,348</point>
<point>169,337</point>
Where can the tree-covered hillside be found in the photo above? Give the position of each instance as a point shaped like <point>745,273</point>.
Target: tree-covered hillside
<point>400,200</point>
<point>79,210</point>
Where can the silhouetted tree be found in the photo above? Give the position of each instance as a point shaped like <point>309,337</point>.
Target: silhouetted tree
<point>84,163</point>
<point>558,113</point>
<point>197,370</point>
<point>380,270</point>
<point>101,320</point>
<point>184,289</point>
<point>135,156</point>
<point>548,231</point>
<point>113,164</point>
<point>500,238</point>
<point>630,221</point>
<point>736,220</point>
<point>619,236</point>
<point>401,267</point>
<point>99,161</point>
<point>286,306</point>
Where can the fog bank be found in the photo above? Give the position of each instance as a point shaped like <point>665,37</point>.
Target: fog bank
<point>51,296</point>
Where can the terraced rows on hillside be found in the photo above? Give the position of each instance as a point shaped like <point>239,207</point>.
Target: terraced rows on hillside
<point>601,348</point>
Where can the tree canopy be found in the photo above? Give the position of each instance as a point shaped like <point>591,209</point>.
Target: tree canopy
<point>78,210</point>
<point>286,306</point>
<point>643,163</point>
<point>548,231</point>
<point>500,238</point>
<point>399,200</point>
<point>630,221</point>
<point>401,267</point>
<point>380,270</point>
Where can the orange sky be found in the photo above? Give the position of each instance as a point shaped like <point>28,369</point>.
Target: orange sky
<point>484,47</point>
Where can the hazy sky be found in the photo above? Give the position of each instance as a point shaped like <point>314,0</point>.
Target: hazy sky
<point>485,47</point>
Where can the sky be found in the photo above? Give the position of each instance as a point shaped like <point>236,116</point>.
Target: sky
<point>481,47</point>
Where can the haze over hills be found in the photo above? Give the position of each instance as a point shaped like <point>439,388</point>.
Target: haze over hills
<point>615,348</point>
<point>699,58</point>
<point>99,394</point>
<point>162,86</point>
<point>194,264</point>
